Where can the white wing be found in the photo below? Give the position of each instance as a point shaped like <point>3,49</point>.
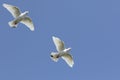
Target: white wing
<point>28,22</point>
<point>58,43</point>
<point>68,59</point>
<point>12,9</point>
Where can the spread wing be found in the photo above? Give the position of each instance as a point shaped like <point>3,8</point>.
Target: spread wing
<point>28,22</point>
<point>68,59</point>
<point>58,43</point>
<point>12,9</point>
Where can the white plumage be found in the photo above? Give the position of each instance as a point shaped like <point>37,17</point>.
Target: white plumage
<point>62,52</point>
<point>19,17</point>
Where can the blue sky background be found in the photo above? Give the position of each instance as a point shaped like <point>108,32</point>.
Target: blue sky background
<point>90,27</point>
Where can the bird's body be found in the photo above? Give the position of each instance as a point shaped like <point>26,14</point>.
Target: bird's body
<point>19,17</point>
<point>63,52</point>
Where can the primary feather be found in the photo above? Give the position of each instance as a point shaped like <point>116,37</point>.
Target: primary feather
<point>12,9</point>
<point>68,59</point>
<point>58,43</point>
<point>28,22</point>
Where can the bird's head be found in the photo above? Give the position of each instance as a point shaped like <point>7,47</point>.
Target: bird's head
<point>54,56</point>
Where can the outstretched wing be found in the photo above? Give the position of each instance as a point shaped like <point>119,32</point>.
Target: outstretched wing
<point>68,59</point>
<point>12,9</point>
<point>58,43</point>
<point>28,22</point>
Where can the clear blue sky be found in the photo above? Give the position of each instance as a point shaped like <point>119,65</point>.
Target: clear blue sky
<point>90,27</point>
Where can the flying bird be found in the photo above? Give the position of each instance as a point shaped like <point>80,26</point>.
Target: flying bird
<point>19,17</point>
<point>62,52</point>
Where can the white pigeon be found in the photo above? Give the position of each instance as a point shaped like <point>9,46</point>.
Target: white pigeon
<point>62,52</point>
<point>18,17</point>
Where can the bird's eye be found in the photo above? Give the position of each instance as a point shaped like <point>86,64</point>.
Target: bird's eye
<point>15,23</point>
<point>51,55</point>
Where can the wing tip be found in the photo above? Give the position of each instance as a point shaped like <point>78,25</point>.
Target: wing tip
<point>53,37</point>
<point>71,65</point>
<point>4,5</point>
<point>32,29</point>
